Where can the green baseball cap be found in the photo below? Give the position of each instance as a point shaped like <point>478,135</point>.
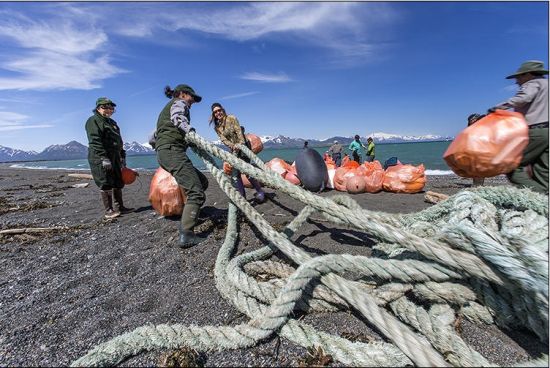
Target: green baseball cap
<point>187,89</point>
<point>530,66</point>
<point>104,101</point>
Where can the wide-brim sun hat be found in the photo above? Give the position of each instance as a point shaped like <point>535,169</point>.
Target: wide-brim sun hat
<point>187,89</point>
<point>530,66</point>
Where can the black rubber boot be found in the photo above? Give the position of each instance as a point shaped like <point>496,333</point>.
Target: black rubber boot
<point>188,238</point>
<point>117,193</point>
<point>106,197</point>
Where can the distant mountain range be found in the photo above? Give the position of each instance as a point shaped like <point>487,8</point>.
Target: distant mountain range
<point>75,150</point>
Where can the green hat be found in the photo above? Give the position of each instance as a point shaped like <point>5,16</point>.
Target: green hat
<point>187,89</point>
<point>531,66</point>
<point>104,101</point>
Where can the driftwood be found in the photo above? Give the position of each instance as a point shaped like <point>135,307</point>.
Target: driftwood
<point>81,176</point>
<point>28,230</point>
<point>434,197</point>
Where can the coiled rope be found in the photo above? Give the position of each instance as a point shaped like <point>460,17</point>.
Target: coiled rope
<point>481,254</point>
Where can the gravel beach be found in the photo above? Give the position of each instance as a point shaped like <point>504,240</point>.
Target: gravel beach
<point>67,290</point>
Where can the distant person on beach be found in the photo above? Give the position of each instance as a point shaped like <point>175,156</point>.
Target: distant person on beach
<point>336,153</point>
<point>305,144</point>
<point>477,182</point>
<point>231,133</point>
<point>532,101</point>
<point>173,123</point>
<point>106,156</point>
<point>370,150</point>
<point>356,148</point>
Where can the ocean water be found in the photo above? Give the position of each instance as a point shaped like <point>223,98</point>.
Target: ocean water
<point>428,153</point>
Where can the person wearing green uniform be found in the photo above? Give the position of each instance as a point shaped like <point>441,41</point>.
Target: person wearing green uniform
<point>356,148</point>
<point>106,156</point>
<point>173,123</point>
<point>370,150</point>
<point>531,100</point>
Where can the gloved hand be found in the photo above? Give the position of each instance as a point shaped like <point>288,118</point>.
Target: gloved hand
<point>192,130</point>
<point>106,163</point>
<point>491,110</point>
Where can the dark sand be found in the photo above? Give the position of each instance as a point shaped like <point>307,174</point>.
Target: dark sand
<point>63,292</point>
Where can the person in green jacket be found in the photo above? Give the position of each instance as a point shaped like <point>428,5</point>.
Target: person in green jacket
<point>370,150</point>
<point>106,156</point>
<point>173,123</point>
<point>356,149</point>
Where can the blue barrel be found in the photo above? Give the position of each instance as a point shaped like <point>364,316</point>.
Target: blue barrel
<point>311,170</point>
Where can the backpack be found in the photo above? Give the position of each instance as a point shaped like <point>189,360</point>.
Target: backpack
<point>392,161</point>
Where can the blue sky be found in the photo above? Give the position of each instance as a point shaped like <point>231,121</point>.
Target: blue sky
<point>300,69</point>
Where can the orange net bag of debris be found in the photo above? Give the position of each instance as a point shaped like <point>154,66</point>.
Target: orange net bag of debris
<point>165,195</point>
<point>492,146</point>
<point>404,179</point>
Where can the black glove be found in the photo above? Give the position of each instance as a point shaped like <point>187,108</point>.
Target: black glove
<point>192,130</point>
<point>106,163</point>
<point>491,110</point>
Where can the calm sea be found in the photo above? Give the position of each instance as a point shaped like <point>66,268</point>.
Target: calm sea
<point>428,153</point>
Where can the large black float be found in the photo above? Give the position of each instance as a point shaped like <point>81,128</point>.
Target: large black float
<point>311,170</point>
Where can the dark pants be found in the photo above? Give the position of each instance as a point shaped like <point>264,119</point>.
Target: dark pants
<point>356,157</point>
<point>174,159</point>
<point>369,158</point>
<point>536,155</point>
<point>337,158</point>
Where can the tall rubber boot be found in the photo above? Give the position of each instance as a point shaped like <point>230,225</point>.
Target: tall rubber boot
<point>188,238</point>
<point>239,185</point>
<point>117,193</point>
<point>107,198</point>
<point>260,194</point>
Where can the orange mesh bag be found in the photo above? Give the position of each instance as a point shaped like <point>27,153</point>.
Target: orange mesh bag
<point>492,146</point>
<point>165,195</point>
<point>256,144</point>
<point>351,164</point>
<point>227,168</point>
<point>345,160</point>
<point>128,175</point>
<point>339,181</point>
<point>355,184</point>
<point>404,179</point>
<point>279,166</point>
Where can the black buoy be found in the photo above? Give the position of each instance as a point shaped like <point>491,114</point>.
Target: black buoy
<point>311,170</point>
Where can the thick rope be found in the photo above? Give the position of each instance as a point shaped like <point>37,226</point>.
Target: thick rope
<point>481,253</point>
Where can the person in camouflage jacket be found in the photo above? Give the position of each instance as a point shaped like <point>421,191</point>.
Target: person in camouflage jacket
<point>106,156</point>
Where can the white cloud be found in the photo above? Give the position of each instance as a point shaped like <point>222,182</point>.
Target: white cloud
<point>60,53</point>
<point>269,78</point>
<point>10,121</point>
<point>245,94</point>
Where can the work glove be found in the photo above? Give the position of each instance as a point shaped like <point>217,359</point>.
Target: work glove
<point>106,163</point>
<point>192,130</point>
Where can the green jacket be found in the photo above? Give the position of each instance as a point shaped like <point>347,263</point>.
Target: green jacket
<point>105,142</point>
<point>173,121</point>
<point>370,149</point>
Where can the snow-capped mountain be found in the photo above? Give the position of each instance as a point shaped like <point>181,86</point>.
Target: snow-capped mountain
<point>136,148</point>
<point>71,151</point>
<point>11,154</point>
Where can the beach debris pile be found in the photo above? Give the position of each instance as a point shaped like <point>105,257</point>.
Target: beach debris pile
<point>480,255</point>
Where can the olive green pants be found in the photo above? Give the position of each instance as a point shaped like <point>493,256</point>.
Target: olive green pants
<point>174,159</point>
<point>536,155</point>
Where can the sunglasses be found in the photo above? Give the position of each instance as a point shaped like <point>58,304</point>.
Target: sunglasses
<point>107,107</point>
<point>217,111</point>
